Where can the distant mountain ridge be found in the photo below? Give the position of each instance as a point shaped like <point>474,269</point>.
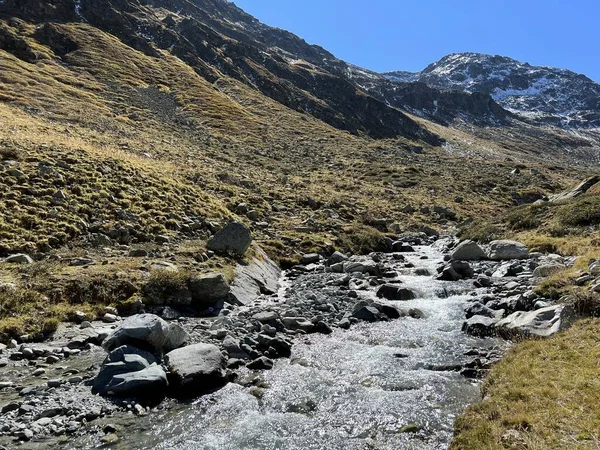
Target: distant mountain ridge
<point>542,95</point>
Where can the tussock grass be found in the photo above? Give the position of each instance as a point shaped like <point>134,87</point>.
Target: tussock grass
<point>544,395</point>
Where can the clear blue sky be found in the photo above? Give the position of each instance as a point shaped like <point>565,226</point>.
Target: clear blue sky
<point>384,35</point>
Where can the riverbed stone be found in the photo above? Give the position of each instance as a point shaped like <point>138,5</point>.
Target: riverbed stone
<point>130,371</point>
<point>480,326</point>
<point>196,369</point>
<point>367,313</point>
<point>146,331</point>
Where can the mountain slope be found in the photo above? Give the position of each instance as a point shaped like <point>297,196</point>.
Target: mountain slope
<point>543,95</point>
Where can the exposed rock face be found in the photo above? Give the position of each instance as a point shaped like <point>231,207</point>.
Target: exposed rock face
<point>146,331</point>
<point>277,63</point>
<point>468,251</point>
<point>542,322</point>
<point>233,238</point>
<point>506,250</point>
<point>546,270</point>
<point>196,369</point>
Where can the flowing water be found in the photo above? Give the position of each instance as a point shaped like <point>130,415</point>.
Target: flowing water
<point>386,385</point>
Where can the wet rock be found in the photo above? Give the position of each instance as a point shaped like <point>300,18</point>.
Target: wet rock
<point>298,323</point>
<point>402,247</point>
<point>196,369</point>
<point>468,251</point>
<point>479,309</point>
<point>233,238</point>
<point>367,313</point>
<point>262,363</point>
<point>395,292</point>
<point>506,250</point>
<point>148,332</point>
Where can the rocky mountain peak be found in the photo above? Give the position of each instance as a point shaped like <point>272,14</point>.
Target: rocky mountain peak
<point>543,95</point>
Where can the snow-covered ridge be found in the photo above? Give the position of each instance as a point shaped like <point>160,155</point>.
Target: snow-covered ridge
<point>551,95</point>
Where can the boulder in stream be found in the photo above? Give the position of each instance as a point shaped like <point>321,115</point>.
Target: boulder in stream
<point>196,369</point>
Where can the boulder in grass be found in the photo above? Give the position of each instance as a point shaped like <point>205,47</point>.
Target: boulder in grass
<point>233,238</point>
<point>196,370</point>
<point>19,258</point>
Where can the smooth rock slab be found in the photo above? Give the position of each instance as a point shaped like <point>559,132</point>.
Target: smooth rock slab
<point>19,258</point>
<point>542,322</point>
<point>196,369</point>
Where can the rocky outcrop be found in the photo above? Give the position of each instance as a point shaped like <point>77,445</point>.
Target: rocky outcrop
<point>578,190</point>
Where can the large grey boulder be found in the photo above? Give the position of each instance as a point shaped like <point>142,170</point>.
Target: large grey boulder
<point>130,372</point>
<point>208,290</point>
<point>505,250</point>
<point>148,332</point>
<point>196,369</point>
<point>233,238</point>
<point>542,322</point>
<point>468,251</point>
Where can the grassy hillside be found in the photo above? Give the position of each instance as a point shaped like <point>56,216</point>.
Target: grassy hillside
<point>99,137</point>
